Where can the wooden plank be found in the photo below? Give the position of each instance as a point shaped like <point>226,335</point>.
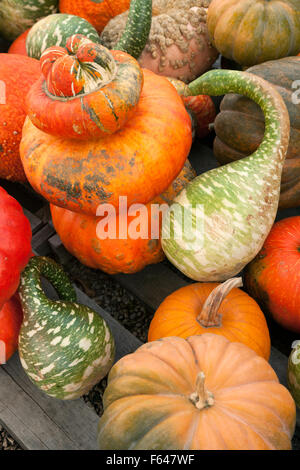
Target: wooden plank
<point>35,222</point>
<point>40,240</point>
<point>152,284</point>
<point>38,422</point>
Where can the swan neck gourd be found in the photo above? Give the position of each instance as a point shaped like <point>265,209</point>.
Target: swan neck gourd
<point>233,207</point>
<point>65,347</point>
<point>138,25</point>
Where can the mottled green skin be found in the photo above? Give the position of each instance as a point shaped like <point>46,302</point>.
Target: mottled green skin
<point>18,15</point>
<point>54,30</point>
<point>137,30</point>
<point>239,200</point>
<point>65,348</point>
<point>293,378</point>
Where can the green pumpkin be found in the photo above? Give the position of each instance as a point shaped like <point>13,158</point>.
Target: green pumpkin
<point>293,378</point>
<point>237,203</point>
<point>18,15</point>
<point>54,30</point>
<point>65,348</point>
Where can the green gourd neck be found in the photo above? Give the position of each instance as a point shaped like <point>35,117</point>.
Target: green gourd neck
<point>31,291</point>
<point>277,125</point>
<point>138,25</point>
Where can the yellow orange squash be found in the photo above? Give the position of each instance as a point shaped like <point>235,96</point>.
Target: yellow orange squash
<point>221,309</point>
<point>203,393</point>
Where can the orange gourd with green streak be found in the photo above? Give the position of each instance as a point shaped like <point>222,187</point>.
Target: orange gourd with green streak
<point>99,127</point>
<point>115,255</point>
<point>221,309</point>
<point>202,393</point>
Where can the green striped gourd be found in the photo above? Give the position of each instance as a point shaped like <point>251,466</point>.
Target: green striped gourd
<point>54,30</point>
<point>237,202</point>
<point>18,15</point>
<point>65,348</point>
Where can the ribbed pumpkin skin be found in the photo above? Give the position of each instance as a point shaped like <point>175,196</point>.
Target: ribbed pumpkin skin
<point>118,255</point>
<point>17,75</point>
<point>241,318</point>
<point>273,277</point>
<point>98,13</point>
<point>147,403</point>
<point>240,126</point>
<point>19,45</point>
<point>253,31</point>
<point>139,161</point>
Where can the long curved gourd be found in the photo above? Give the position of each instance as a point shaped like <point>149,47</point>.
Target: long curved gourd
<point>65,348</point>
<point>237,202</point>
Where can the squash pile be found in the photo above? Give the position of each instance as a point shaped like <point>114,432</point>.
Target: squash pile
<point>99,104</point>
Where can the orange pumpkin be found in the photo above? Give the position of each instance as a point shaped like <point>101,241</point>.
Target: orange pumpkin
<point>221,309</point>
<point>138,161</point>
<point>17,75</point>
<point>98,13</point>
<point>273,277</point>
<point>203,393</point>
<point>19,44</point>
<point>127,255</point>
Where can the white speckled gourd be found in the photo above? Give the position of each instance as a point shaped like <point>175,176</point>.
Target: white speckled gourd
<point>65,348</point>
<point>237,202</point>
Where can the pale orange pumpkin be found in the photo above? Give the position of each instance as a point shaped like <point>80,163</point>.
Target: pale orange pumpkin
<point>221,309</point>
<point>203,393</point>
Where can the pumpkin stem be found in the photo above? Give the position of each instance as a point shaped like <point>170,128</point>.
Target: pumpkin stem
<point>209,314</point>
<point>202,398</point>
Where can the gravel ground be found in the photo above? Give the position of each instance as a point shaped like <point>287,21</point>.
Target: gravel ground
<point>7,442</point>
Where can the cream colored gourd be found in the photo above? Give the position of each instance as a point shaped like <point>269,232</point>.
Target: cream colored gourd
<point>236,203</point>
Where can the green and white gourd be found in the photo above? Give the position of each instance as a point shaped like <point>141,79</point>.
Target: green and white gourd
<point>18,15</point>
<point>65,348</point>
<point>237,203</point>
<point>138,25</point>
<point>54,30</point>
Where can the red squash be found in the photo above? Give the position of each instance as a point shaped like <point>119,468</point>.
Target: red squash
<point>15,245</point>
<point>19,45</point>
<point>17,75</point>
<point>273,277</point>
<point>11,317</point>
